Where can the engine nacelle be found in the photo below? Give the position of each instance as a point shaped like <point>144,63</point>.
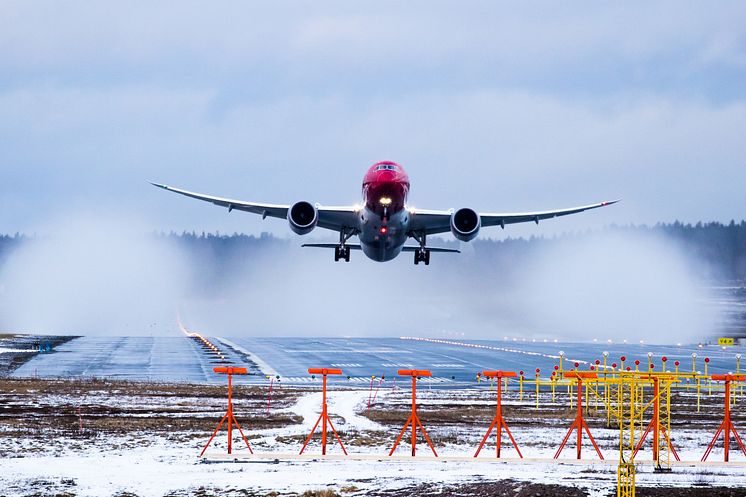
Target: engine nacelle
<point>302,217</point>
<point>465,224</point>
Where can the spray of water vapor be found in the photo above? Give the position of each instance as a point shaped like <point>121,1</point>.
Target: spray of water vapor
<point>92,276</point>
<point>611,285</point>
<point>616,285</point>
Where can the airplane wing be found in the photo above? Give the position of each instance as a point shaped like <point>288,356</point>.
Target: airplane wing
<point>431,222</point>
<point>333,218</point>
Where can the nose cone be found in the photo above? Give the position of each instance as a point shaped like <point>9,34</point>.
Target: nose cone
<point>385,187</point>
<point>388,171</point>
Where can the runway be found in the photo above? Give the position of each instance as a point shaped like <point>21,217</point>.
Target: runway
<point>454,362</point>
<point>171,359</point>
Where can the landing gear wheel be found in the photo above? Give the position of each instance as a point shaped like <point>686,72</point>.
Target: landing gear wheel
<point>422,256</point>
<point>342,252</point>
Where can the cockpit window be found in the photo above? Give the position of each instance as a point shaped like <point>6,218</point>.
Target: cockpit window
<point>386,167</point>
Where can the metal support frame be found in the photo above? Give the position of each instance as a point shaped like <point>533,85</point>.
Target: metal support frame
<point>660,430</point>
<point>413,419</point>
<point>498,421</point>
<point>324,418</point>
<point>579,423</point>
<point>626,471</point>
<point>229,417</point>
<point>727,426</point>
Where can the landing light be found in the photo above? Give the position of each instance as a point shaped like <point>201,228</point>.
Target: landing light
<point>385,201</point>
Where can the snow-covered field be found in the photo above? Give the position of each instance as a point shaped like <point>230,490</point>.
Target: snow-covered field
<point>163,461</point>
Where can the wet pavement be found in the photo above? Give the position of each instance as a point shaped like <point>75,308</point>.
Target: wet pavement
<point>454,362</point>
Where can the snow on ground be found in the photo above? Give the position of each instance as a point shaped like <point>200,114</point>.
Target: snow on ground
<point>156,465</point>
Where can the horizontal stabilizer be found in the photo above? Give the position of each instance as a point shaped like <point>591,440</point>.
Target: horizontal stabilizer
<point>357,247</point>
<point>431,249</point>
<point>331,245</point>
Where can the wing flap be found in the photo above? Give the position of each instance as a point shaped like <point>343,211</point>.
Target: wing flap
<point>271,210</point>
<point>336,218</point>
<point>332,218</point>
<point>497,219</point>
<point>432,222</point>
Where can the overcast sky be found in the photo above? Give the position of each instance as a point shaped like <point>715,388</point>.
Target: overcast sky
<point>495,106</point>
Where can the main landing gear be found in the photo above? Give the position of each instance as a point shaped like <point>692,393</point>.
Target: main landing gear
<point>342,251</point>
<point>423,254</point>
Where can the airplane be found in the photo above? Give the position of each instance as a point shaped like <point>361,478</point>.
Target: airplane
<point>384,221</point>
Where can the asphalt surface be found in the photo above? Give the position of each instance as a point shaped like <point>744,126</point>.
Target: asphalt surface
<point>132,358</point>
<point>453,362</point>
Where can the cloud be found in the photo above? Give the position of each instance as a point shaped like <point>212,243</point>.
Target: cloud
<point>494,151</point>
<point>495,106</point>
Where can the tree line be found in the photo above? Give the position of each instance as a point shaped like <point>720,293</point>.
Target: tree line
<point>718,250</point>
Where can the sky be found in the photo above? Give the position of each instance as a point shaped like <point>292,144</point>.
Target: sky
<point>498,106</point>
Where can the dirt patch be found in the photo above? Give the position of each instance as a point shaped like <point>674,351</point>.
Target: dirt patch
<point>505,488</point>
<point>705,491</point>
<point>37,408</point>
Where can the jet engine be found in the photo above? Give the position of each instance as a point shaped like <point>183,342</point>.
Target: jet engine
<point>465,224</point>
<point>302,217</point>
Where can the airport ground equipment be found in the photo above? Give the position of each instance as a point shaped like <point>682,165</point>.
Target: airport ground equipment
<point>660,423</point>
<point>626,472</point>
<point>324,418</point>
<point>727,426</point>
<point>579,424</point>
<point>414,419</point>
<point>229,416</point>
<point>269,394</point>
<point>498,421</point>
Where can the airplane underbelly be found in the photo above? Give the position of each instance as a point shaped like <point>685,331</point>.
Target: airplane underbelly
<point>382,241</point>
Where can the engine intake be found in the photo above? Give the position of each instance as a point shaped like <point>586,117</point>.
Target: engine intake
<point>465,224</point>
<point>302,217</point>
